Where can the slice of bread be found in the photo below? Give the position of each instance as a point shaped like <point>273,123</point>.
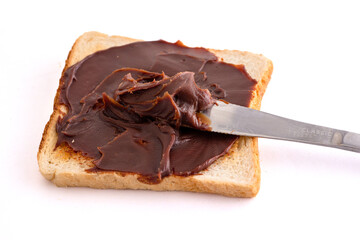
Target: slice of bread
<point>236,174</point>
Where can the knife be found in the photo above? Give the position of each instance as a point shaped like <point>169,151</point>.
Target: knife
<point>237,120</point>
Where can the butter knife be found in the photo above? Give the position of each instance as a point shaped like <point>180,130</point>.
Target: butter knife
<point>237,120</point>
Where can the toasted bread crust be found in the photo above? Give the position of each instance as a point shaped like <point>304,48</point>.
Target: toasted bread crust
<point>236,174</point>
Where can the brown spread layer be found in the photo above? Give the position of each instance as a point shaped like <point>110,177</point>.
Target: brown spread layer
<point>127,107</point>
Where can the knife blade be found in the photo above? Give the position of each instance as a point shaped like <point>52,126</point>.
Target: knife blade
<point>237,120</point>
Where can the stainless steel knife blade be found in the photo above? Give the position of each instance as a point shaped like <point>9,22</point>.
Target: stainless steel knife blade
<point>237,120</point>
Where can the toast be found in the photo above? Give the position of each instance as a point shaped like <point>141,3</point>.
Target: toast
<point>236,174</point>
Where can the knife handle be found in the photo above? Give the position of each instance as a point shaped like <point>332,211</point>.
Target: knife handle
<point>318,135</point>
<point>291,130</point>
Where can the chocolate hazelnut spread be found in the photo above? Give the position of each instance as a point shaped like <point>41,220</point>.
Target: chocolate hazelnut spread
<point>128,105</point>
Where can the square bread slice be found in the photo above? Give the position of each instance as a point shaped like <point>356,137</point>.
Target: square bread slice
<point>236,174</point>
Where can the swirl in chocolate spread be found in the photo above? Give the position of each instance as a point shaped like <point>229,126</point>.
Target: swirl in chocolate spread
<point>127,107</point>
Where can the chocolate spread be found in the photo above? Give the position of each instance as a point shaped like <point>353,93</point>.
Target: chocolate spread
<point>128,105</point>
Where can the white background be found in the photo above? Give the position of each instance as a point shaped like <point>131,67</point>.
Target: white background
<point>306,191</point>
